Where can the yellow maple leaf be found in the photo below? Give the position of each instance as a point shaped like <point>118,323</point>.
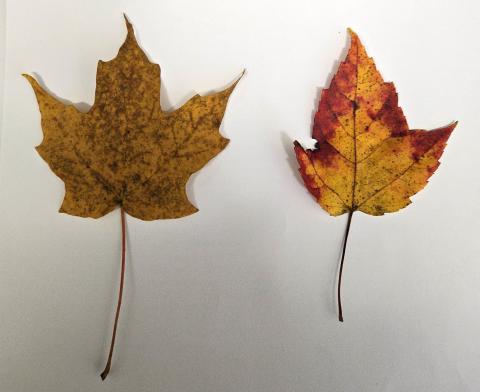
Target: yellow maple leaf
<point>125,151</point>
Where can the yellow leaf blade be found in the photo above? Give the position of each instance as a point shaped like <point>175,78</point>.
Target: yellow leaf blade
<point>125,151</point>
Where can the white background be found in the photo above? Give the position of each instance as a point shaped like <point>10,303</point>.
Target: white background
<point>240,296</point>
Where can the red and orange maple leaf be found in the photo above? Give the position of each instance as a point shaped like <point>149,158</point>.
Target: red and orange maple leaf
<point>366,158</point>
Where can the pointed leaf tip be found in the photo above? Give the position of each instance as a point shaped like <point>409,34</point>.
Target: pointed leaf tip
<point>128,24</point>
<point>451,127</point>
<point>30,79</point>
<point>448,129</point>
<point>352,34</point>
<point>239,78</point>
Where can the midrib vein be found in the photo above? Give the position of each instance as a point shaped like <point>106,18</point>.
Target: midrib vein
<point>353,207</point>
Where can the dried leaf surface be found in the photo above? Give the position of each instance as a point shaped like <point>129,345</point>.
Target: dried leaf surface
<point>125,151</point>
<point>366,158</point>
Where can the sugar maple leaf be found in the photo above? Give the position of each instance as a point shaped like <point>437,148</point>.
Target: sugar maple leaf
<point>366,158</point>
<point>125,151</point>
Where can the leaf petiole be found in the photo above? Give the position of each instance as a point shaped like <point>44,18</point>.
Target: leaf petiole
<point>105,372</point>
<point>347,230</point>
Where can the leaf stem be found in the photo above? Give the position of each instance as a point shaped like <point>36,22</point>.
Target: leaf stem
<point>347,230</point>
<point>119,304</point>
